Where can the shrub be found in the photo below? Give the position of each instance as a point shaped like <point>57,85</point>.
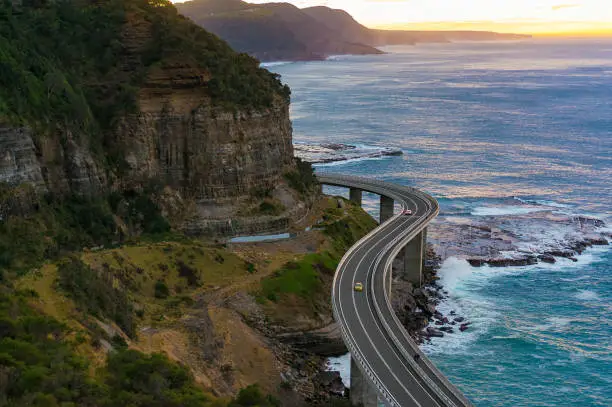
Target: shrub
<point>96,293</point>
<point>303,178</point>
<point>161,290</point>
<point>252,396</point>
<point>190,274</point>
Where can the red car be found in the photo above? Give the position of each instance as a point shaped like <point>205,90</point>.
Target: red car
<point>406,212</point>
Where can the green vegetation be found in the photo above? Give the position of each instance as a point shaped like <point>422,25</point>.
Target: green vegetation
<point>252,396</point>
<point>302,286</point>
<point>299,278</point>
<point>53,227</point>
<point>271,208</point>
<point>69,63</point>
<point>161,290</point>
<point>40,367</point>
<point>96,293</point>
<point>302,179</point>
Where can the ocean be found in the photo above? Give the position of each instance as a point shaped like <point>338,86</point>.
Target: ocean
<point>515,141</point>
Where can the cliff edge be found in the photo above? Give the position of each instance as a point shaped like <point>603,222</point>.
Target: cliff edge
<point>110,100</point>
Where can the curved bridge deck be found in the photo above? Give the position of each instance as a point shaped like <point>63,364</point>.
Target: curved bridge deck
<point>378,342</point>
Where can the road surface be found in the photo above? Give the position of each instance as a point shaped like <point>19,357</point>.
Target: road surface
<point>378,342</point>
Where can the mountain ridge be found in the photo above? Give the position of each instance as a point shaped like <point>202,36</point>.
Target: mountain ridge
<point>281,31</point>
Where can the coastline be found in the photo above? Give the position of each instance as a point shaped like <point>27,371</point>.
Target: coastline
<point>432,314</point>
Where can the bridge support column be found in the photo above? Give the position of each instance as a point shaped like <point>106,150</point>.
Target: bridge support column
<point>356,195</point>
<point>362,392</point>
<point>386,208</point>
<point>413,259</point>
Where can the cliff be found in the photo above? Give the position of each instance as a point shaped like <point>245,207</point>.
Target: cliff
<point>124,98</point>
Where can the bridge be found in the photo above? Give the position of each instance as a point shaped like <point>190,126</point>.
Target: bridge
<point>384,368</point>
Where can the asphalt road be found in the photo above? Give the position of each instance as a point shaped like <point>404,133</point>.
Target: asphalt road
<point>381,346</point>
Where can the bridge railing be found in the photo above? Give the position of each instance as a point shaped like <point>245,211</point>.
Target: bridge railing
<point>435,380</point>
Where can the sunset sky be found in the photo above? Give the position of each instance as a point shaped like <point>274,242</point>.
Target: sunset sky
<point>528,16</point>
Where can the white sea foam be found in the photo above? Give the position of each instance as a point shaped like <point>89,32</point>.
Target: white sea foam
<point>552,323</point>
<point>504,210</point>
<point>587,295</point>
<point>454,273</point>
<point>341,364</point>
<point>276,63</point>
<point>542,202</point>
<point>463,282</point>
<point>350,161</point>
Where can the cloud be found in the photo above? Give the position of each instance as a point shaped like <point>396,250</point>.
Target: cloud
<point>563,6</point>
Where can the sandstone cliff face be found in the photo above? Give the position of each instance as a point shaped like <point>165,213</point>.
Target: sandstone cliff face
<point>202,151</point>
<point>18,161</point>
<point>209,156</point>
<point>58,164</point>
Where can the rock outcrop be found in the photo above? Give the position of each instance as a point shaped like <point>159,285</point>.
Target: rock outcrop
<point>214,136</point>
<point>18,161</point>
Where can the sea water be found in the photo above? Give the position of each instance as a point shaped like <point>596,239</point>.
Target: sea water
<point>492,130</point>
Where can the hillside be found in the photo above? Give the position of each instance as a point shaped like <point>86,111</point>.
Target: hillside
<point>122,117</point>
<point>131,139</point>
<point>281,31</point>
<point>346,25</point>
<point>271,31</point>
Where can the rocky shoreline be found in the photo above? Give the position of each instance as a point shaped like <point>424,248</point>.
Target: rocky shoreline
<point>306,353</point>
<point>417,307</point>
<point>336,152</point>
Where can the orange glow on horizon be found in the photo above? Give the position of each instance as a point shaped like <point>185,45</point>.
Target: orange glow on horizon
<point>535,28</point>
<point>587,18</point>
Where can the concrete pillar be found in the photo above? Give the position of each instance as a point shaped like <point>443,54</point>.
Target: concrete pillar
<point>424,244</point>
<point>356,195</point>
<point>362,392</point>
<point>386,208</point>
<point>413,260</point>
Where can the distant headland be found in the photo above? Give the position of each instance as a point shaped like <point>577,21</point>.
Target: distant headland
<point>282,31</point>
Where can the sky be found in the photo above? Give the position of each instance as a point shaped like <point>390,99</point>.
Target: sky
<point>589,17</point>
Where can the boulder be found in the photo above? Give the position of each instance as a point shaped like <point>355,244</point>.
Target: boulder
<point>598,241</point>
<point>504,262</point>
<point>433,333</point>
<point>476,262</point>
<point>546,258</point>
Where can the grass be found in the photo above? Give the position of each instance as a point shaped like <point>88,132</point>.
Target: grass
<point>161,280</point>
<point>301,278</point>
<point>181,266</point>
<point>297,294</point>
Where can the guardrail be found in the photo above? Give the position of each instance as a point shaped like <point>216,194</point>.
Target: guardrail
<point>438,385</point>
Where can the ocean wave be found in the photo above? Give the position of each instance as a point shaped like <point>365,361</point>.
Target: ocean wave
<point>543,202</point>
<point>587,295</point>
<point>504,210</point>
<point>275,63</point>
<point>341,364</point>
<point>466,284</point>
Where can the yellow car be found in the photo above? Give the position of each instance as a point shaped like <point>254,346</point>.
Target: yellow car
<point>358,287</point>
